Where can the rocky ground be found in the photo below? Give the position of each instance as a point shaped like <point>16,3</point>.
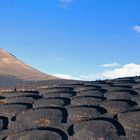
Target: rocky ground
<point>71,110</point>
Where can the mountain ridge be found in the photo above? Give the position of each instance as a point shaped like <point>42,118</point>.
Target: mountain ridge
<point>11,65</point>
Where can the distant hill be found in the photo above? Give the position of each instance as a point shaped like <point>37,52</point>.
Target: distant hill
<point>7,81</point>
<point>11,66</point>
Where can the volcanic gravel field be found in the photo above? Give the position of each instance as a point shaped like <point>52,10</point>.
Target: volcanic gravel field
<point>71,110</point>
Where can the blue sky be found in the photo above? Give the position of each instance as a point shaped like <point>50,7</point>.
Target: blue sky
<point>84,39</point>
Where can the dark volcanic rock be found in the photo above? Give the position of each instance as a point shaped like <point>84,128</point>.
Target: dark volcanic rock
<point>71,110</point>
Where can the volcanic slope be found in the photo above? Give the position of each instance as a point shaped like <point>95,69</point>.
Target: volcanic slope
<point>10,65</point>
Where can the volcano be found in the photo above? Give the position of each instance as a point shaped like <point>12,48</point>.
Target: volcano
<point>10,65</point>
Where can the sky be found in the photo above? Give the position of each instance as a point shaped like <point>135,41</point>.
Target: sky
<point>80,39</point>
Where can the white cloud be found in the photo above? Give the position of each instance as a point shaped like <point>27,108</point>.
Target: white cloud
<point>80,77</point>
<point>67,76</point>
<point>124,71</point>
<point>137,28</point>
<point>111,65</point>
<point>65,2</point>
<point>127,70</point>
<point>91,77</point>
